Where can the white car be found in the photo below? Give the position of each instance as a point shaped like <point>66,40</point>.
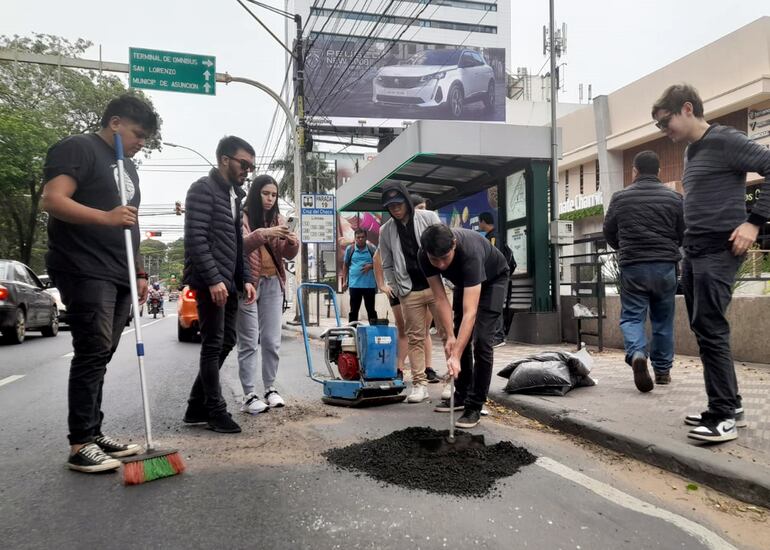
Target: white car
<point>53,291</point>
<point>448,79</point>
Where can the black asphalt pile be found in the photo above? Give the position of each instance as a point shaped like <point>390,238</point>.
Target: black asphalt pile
<point>399,459</point>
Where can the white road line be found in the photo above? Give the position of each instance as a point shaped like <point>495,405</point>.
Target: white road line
<point>70,354</point>
<point>709,538</point>
<point>147,325</point>
<point>12,378</point>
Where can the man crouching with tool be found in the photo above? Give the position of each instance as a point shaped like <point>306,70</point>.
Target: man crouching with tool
<point>479,273</point>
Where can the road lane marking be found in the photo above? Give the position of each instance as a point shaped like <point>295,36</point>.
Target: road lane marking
<point>709,538</point>
<point>70,354</point>
<point>147,325</point>
<point>12,378</point>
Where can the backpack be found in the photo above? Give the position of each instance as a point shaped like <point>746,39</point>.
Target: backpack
<point>349,252</point>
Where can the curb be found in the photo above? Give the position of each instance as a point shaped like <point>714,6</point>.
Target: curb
<point>720,472</point>
<point>751,485</point>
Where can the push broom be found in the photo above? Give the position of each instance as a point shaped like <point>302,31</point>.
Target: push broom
<point>153,463</point>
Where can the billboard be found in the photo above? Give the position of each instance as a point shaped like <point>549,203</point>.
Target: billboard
<point>464,213</point>
<point>349,76</point>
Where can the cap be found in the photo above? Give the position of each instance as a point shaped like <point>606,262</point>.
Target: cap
<point>392,196</point>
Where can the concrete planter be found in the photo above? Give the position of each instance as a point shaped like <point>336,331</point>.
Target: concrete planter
<point>749,318</point>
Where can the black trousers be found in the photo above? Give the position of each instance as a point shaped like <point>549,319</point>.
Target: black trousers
<point>218,335</point>
<point>707,282</point>
<point>356,295</point>
<point>97,312</point>
<point>477,359</point>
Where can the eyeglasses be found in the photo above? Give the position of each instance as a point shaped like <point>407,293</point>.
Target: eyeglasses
<point>245,164</point>
<point>663,123</point>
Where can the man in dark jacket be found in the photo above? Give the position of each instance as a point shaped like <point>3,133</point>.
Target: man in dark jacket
<point>645,224</point>
<point>215,267</point>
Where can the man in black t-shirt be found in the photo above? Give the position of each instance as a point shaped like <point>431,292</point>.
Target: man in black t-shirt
<point>87,262</point>
<point>479,274</point>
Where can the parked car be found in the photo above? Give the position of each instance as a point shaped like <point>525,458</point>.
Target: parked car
<point>187,318</point>
<point>53,291</point>
<point>24,303</point>
<point>448,79</point>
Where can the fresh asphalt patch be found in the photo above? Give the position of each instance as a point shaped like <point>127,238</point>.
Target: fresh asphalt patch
<point>399,459</point>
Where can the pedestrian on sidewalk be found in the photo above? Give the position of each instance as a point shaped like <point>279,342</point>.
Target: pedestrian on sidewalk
<point>87,262</point>
<point>358,276</point>
<point>267,242</point>
<point>487,226</point>
<point>421,203</point>
<point>399,247</point>
<point>718,233</point>
<point>645,225</point>
<point>216,268</point>
<point>479,274</point>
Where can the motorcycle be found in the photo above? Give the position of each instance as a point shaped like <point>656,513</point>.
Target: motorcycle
<point>154,308</point>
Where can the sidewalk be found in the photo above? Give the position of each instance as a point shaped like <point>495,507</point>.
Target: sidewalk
<point>648,426</point>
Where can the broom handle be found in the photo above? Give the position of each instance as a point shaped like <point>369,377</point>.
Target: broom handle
<point>452,409</point>
<point>134,294</point>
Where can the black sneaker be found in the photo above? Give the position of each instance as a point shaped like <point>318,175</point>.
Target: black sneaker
<point>195,415</point>
<point>444,406</point>
<point>223,423</point>
<point>714,429</point>
<point>469,419</point>
<point>90,458</point>
<point>696,419</point>
<point>499,344</point>
<point>641,373</point>
<point>116,449</point>
<point>433,377</point>
<point>662,378</point>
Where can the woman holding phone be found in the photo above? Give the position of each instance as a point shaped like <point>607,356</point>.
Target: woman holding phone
<point>267,241</point>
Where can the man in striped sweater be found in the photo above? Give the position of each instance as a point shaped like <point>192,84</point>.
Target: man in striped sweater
<point>718,233</point>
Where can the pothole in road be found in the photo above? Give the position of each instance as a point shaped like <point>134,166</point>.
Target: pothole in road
<point>399,459</point>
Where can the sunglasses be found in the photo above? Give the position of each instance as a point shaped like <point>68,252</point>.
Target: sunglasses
<point>246,166</point>
<point>663,123</point>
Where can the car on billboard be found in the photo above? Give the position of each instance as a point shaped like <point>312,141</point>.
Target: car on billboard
<point>446,78</point>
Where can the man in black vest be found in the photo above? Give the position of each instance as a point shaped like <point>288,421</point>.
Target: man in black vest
<point>215,267</point>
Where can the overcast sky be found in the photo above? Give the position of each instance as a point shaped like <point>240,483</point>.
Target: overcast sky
<point>610,44</point>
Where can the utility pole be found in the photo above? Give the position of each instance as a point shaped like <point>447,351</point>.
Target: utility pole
<point>555,44</point>
<point>299,83</point>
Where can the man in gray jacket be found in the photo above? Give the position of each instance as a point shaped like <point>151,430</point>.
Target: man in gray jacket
<point>404,279</point>
<point>645,224</point>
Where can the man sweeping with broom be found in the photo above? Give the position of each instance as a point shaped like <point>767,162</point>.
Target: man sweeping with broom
<point>87,261</point>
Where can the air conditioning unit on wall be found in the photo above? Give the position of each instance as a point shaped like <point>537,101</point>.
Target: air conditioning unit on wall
<point>562,232</point>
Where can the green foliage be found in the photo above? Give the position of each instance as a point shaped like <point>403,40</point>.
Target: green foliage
<point>316,171</point>
<point>575,215</point>
<point>39,105</point>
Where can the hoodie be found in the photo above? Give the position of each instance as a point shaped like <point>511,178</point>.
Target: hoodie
<point>393,263</point>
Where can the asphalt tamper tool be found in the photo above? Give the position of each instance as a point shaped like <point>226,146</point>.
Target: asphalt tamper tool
<point>153,463</point>
<point>364,356</point>
<point>452,442</point>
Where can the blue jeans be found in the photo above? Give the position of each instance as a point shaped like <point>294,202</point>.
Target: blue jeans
<point>649,286</point>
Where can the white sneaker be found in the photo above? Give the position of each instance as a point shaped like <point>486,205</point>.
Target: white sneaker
<point>716,431</point>
<point>446,393</point>
<point>418,395</point>
<point>252,404</point>
<point>273,399</point>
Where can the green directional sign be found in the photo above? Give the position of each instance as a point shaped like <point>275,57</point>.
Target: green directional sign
<point>172,71</point>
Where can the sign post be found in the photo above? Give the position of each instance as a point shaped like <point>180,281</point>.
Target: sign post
<point>317,215</point>
<point>172,71</point>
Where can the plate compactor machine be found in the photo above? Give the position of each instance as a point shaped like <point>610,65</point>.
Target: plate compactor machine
<point>361,360</point>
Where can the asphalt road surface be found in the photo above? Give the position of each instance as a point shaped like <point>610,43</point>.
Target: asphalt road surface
<point>269,487</point>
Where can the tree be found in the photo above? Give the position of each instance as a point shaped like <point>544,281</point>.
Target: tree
<point>40,105</point>
<point>317,170</point>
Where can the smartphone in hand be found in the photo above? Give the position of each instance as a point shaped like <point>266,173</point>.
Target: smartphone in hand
<point>291,223</point>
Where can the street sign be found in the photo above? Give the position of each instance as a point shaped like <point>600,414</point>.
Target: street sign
<point>172,71</point>
<point>318,218</point>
